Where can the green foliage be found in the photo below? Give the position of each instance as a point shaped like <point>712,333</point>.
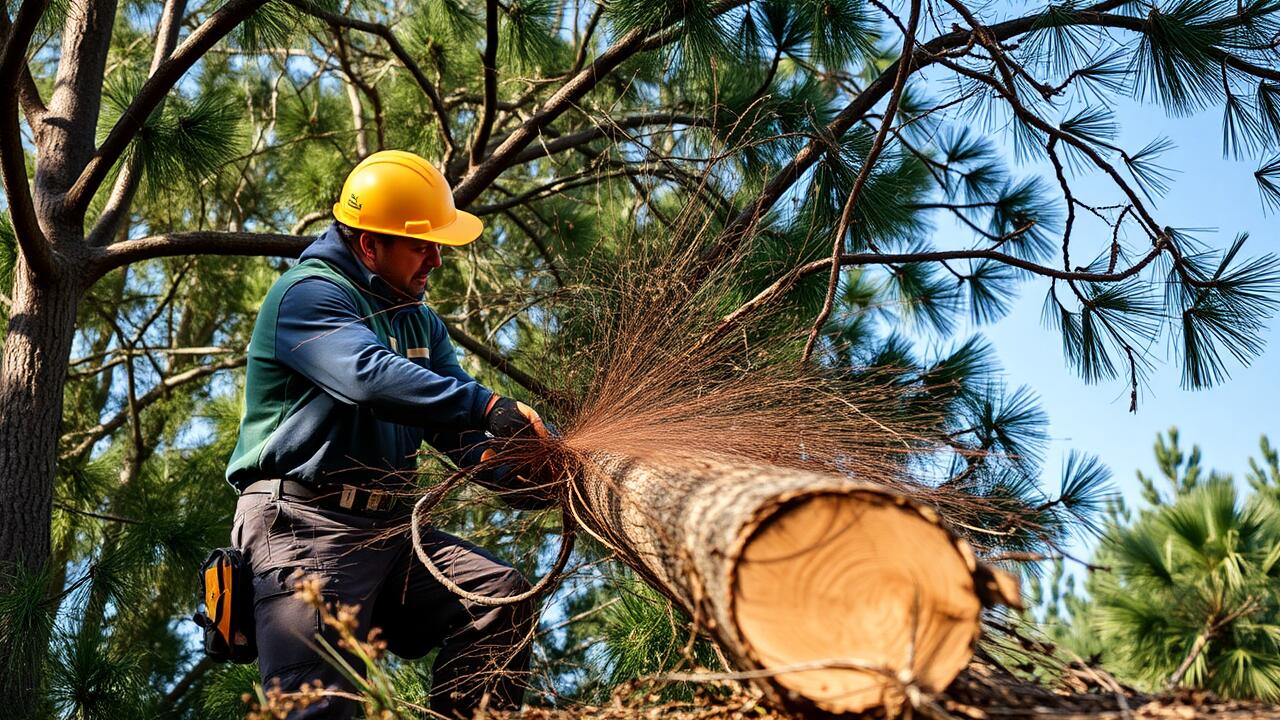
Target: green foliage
<point>702,35</point>
<point>26,615</point>
<point>185,141</point>
<point>528,35</point>
<point>92,678</point>
<point>460,19</point>
<point>645,636</point>
<point>1222,307</point>
<point>8,252</point>
<point>1187,590</point>
<point>1174,62</point>
<point>222,690</point>
<point>839,31</point>
<point>272,25</point>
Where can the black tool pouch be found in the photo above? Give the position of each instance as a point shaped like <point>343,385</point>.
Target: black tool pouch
<point>227,617</point>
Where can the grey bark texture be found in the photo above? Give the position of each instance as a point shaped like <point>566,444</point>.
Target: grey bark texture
<point>34,364</point>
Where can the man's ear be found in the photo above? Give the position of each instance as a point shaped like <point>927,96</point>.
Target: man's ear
<point>366,242</point>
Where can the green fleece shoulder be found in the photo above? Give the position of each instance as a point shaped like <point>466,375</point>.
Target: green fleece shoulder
<point>271,388</point>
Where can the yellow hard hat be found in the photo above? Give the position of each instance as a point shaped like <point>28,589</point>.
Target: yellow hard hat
<point>398,193</point>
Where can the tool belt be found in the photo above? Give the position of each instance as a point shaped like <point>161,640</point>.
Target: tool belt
<point>227,618</point>
<point>373,502</point>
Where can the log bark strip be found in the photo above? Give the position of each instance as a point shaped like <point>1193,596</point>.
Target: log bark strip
<point>841,593</point>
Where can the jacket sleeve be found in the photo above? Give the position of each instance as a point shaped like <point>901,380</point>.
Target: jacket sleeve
<point>321,335</point>
<point>444,360</point>
<point>465,448</point>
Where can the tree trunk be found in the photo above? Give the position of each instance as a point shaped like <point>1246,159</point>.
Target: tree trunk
<point>32,372</point>
<point>829,593</point>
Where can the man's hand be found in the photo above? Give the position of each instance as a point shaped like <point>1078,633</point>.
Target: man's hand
<point>508,418</point>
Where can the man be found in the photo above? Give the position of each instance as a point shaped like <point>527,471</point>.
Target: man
<point>348,374</point>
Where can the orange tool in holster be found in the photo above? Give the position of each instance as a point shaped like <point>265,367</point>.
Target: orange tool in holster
<point>227,618</point>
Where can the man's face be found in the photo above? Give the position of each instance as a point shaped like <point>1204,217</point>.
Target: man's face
<point>403,263</point>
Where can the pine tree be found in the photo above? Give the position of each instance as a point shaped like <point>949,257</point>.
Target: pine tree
<point>1183,593</point>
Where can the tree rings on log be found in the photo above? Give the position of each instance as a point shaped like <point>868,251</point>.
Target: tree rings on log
<point>847,597</point>
<point>826,592</point>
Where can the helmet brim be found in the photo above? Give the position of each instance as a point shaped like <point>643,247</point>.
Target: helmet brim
<point>462,231</point>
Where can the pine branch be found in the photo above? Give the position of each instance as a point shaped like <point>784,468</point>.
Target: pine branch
<point>397,49</point>
<point>635,41</point>
<point>153,91</point>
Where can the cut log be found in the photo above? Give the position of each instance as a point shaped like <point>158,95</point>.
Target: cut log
<point>832,594</point>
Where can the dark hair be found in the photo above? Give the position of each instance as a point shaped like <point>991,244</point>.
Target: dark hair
<point>351,236</point>
<point>348,234</point>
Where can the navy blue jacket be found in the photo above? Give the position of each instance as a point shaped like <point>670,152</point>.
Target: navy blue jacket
<point>345,380</point>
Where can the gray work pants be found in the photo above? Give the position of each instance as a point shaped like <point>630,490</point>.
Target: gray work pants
<point>371,563</point>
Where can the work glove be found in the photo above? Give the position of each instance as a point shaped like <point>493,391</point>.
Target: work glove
<point>507,418</point>
<point>522,486</point>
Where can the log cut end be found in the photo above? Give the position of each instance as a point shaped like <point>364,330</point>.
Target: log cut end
<point>844,596</point>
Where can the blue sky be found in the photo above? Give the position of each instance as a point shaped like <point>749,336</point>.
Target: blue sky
<point>1211,193</point>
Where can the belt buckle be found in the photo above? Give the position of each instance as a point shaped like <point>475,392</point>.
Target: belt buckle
<point>376,500</point>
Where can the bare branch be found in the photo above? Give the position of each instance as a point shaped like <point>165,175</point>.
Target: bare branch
<point>783,284</point>
<point>96,515</point>
<point>568,182</point>
<point>28,94</point>
<point>186,682</point>
<point>925,54</point>
<point>1038,123</point>
<point>585,44</point>
<point>611,130</point>
<point>306,220</point>
<point>490,62</point>
<point>538,242</point>
<point>123,355</point>
<point>222,21</point>
<point>198,242</point>
<point>13,163</point>
<point>87,438</point>
<point>502,363</point>
<point>352,85</point>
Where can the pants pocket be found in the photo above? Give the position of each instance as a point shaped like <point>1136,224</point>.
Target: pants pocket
<point>286,625</point>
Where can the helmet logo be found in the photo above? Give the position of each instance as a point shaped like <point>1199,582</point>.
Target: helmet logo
<point>353,201</point>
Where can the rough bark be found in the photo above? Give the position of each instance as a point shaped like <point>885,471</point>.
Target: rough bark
<point>833,594</point>
<point>34,365</point>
